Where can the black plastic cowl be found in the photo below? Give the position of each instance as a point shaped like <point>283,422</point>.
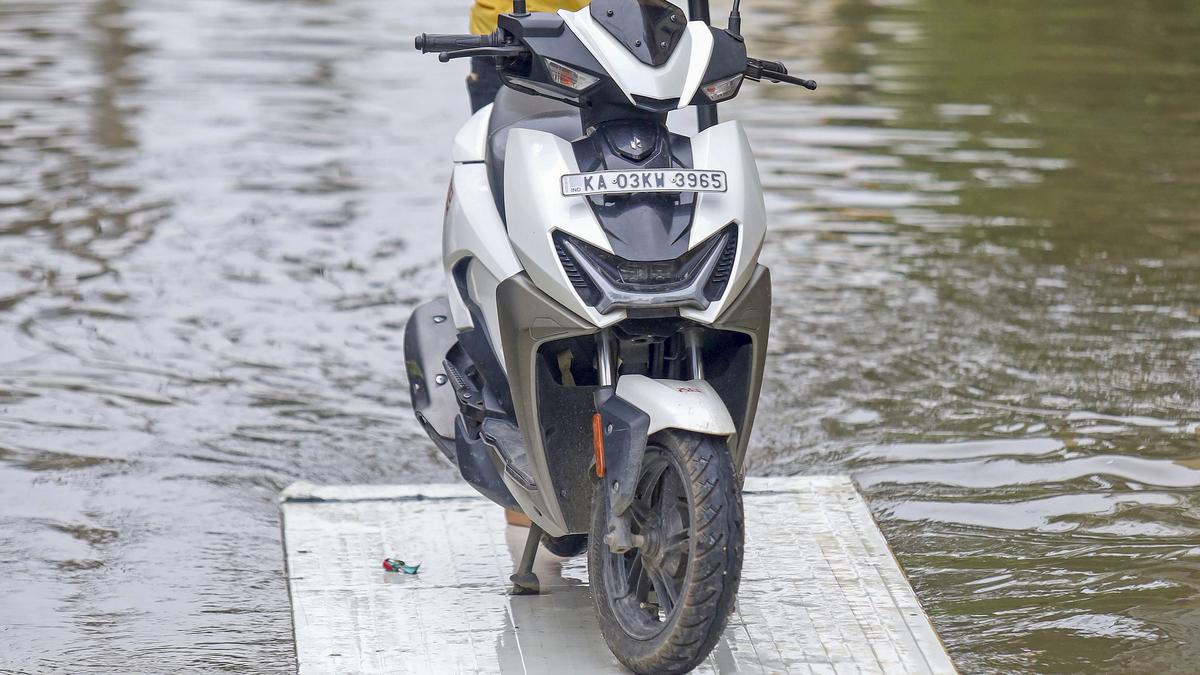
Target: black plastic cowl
<point>649,29</point>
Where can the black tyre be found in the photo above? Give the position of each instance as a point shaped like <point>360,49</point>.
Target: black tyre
<point>566,546</point>
<point>662,606</point>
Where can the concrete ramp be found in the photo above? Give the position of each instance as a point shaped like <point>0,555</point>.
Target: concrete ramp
<point>820,593</point>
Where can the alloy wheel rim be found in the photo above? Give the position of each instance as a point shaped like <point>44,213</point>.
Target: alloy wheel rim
<point>646,583</point>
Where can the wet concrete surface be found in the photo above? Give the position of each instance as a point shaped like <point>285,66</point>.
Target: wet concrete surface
<point>820,592</point>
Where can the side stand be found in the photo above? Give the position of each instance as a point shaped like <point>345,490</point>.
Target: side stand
<point>525,582</point>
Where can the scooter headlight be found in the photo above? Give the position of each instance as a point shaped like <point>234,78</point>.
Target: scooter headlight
<point>721,90</point>
<point>604,280</point>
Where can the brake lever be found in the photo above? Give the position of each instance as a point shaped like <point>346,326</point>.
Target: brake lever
<point>774,71</point>
<point>496,52</point>
<point>779,77</point>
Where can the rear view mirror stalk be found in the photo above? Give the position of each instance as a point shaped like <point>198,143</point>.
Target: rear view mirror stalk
<point>706,115</point>
<point>735,20</point>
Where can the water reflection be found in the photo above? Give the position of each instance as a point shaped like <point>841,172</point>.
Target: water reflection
<point>215,217</point>
<point>206,250</point>
<point>989,250</point>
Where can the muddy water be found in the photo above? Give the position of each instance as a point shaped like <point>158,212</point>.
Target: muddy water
<point>215,217</point>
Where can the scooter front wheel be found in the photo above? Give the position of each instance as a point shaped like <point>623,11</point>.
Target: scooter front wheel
<point>662,605</point>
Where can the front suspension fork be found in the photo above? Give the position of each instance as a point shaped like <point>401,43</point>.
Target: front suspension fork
<point>606,358</point>
<point>607,353</point>
<point>620,434</point>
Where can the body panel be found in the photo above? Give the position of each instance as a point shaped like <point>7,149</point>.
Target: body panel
<point>626,431</point>
<point>749,314</point>
<point>427,339</point>
<point>533,170</point>
<point>675,404</point>
<point>726,147</point>
<point>535,164</point>
<point>528,318</point>
<point>470,143</point>
<point>481,284</point>
<point>678,78</point>
<point>473,229</point>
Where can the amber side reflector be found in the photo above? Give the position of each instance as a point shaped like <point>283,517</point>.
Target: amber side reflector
<point>598,444</point>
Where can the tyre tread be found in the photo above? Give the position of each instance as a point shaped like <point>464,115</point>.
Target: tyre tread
<point>708,596</point>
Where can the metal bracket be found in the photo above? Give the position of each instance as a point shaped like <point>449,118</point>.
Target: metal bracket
<point>619,537</point>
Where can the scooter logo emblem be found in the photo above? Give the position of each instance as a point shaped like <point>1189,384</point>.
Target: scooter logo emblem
<point>634,148</point>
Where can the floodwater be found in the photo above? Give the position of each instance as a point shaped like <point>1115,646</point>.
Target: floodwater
<point>215,217</point>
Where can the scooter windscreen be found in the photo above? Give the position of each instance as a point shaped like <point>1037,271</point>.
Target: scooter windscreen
<point>649,29</point>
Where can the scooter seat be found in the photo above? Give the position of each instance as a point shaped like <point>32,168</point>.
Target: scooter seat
<point>514,110</point>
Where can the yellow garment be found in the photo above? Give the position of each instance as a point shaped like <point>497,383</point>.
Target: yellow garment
<point>484,13</point>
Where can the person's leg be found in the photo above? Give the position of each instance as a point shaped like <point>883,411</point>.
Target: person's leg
<point>516,518</point>
<point>483,83</point>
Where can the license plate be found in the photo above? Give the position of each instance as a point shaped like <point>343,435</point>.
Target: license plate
<point>643,180</point>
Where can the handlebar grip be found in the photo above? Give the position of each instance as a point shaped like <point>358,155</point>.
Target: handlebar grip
<point>773,66</point>
<point>427,42</point>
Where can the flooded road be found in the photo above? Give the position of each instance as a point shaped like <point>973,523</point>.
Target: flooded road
<point>215,217</point>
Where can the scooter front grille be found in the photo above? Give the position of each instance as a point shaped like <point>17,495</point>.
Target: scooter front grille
<point>583,285</point>
<point>724,269</point>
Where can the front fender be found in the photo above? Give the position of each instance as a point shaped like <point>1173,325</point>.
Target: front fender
<point>675,404</point>
<point>642,406</point>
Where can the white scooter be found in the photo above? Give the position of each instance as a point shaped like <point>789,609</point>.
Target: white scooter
<point>597,361</point>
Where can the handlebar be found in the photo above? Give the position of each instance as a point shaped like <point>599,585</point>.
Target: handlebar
<point>494,45</point>
<point>432,42</point>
